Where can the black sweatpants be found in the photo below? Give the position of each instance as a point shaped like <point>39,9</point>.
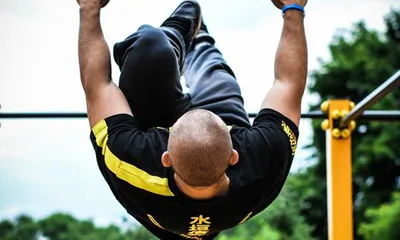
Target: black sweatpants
<point>151,61</point>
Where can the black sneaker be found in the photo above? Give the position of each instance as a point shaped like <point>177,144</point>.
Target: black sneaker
<point>202,36</point>
<point>186,19</point>
<point>203,26</point>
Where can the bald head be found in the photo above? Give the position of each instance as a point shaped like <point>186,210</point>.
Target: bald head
<point>200,148</point>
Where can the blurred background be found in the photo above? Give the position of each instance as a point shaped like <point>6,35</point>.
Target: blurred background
<point>50,186</point>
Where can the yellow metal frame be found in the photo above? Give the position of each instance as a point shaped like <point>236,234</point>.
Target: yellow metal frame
<point>339,170</point>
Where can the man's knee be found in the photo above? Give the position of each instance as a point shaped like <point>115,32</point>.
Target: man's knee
<point>148,44</point>
<point>150,38</point>
<point>156,47</point>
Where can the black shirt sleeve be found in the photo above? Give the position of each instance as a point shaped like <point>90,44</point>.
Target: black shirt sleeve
<point>268,147</point>
<point>129,154</point>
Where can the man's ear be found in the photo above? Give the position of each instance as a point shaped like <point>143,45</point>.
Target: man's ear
<point>166,162</point>
<point>234,158</point>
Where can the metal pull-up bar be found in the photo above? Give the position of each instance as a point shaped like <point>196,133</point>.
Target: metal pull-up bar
<point>372,98</point>
<point>339,125</point>
<point>357,112</point>
<point>375,115</point>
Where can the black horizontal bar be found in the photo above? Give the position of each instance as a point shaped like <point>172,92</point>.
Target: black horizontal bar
<point>24,115</point>
<point>373,115</point>
<point>314,115</point>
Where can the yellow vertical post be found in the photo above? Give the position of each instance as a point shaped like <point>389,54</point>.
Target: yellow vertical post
<point>339,173</point>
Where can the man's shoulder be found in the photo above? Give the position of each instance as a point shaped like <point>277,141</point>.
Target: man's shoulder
<point>266,150</point>
<point>122,147</point>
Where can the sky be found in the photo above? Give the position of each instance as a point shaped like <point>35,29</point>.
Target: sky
<point>49,166</point>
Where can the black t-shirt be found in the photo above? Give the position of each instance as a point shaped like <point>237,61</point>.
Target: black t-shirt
<point>130,161</point>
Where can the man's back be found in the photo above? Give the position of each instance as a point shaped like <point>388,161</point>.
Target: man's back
<point>130,163</point>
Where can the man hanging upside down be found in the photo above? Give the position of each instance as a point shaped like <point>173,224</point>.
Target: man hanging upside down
<point>189,165</point>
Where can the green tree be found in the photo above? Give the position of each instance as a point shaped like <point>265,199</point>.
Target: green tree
<point>361,59</point>
<point>61,226</point>
<point>6,227</point>
<point>23,228</point>
<point>280,221</point>
<point>383,222</point>
<point>140,233</point>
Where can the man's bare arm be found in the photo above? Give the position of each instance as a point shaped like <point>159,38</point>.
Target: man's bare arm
<point>103,97</point>
<point>94,54</point>
<point>290,67</point>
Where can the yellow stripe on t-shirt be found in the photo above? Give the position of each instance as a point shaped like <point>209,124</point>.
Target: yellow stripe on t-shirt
<point>245,218</point>
<point>153,220</point>
<point>128,172</point>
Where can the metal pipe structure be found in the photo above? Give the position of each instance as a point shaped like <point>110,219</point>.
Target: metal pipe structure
<point>372,98</point>
<point>373,115</point>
